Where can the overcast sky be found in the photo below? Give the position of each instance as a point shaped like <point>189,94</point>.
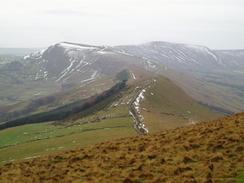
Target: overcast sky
<point>40,23</point>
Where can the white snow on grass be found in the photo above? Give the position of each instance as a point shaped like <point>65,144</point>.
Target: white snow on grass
<point>139,97</point>
<point>133,75</point>
<point>136,104</point>
<point>85,64</point>
<point>81,64</point>
<point>26,57</point>
<point>93,76</point>
<point>203,49</point>
<point>36,94</point>
<point>102,52</point>
<point>45,74</point>
<point>66,71</point>
<point>151,65</point>
<point>124,53</point>
<point>164,55</point>
<point>77,46</point>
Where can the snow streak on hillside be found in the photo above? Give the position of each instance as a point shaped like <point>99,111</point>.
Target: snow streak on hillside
<point>136,113</point>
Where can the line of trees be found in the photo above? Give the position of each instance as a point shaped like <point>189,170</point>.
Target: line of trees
<point>67,110</point>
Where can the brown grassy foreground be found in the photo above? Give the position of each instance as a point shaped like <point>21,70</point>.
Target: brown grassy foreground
<point>206,152</point>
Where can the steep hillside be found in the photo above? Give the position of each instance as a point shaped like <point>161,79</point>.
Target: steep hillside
<point>232,58</point>
<point>78,63</point>
<point>186,56</point>
<point>206,152</point>
<point>43,104</point>
<point>222,91</point>
<point>167,106</point>
<point>60,67</point>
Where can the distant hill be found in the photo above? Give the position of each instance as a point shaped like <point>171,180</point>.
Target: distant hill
<point>212,77</point>
<point>187,57</point>
<point>206,152</point>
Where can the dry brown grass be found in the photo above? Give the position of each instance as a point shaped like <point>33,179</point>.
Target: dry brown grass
<point>206,152</point>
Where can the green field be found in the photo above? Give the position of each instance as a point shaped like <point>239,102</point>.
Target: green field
<point>27,141</point>
<point>168,107</point>
<point>32,140</point>
<point>240,177</point>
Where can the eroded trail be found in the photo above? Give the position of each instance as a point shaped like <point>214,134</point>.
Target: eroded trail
<point>134,108</point>
<point>135,111</point>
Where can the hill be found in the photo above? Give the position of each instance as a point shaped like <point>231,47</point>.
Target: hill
<point>206,152</point>
<point>212,77</point>
<point>168,107</point>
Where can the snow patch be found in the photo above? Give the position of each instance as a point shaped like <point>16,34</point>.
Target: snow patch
<point>66,71</point>
<point>151,65</point>
<point>102,52</point>
<point>26,57</point>
<point>93,76</point>
<point>124,53</point>
<point>36,94</point>
<point>133,76</point>
<point>203,49</point>
<point>139,124</point>
<point>77,46</point>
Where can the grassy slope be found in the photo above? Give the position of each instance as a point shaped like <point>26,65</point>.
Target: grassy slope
<point>224,94</point>
<point>206,152</point>
<point>62,98</point>
<point>48,139</point>
<point>111,122</point>
<point>31,140</point>
<point>168,106</point>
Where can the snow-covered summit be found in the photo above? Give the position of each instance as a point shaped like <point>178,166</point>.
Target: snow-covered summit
<point>66,60</point>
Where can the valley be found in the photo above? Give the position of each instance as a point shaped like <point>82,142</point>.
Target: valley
<point>111,118</point>
<point>71,96</point>
<point>123,91</point>
<point>212,77</point>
